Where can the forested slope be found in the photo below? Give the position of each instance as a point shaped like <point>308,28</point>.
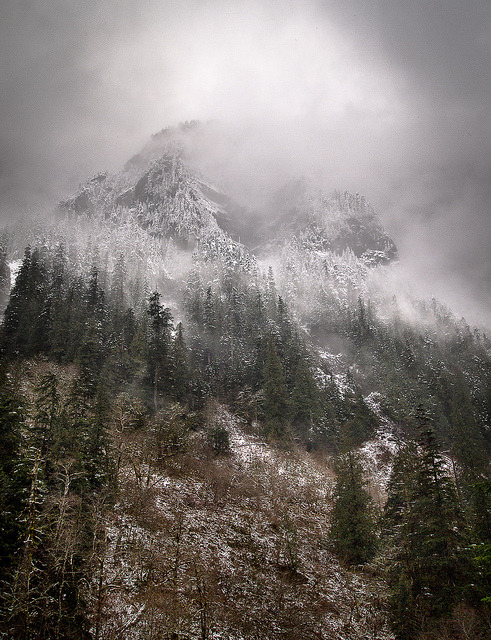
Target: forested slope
<point>201,439</point>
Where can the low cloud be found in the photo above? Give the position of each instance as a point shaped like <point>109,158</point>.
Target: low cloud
<point>389,99</point>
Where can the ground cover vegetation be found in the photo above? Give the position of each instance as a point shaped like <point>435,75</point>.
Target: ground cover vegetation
<point>200,477</point>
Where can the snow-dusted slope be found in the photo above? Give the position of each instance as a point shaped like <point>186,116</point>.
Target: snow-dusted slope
<point>308,218</point>
<point>167,199</point>
<point>236,547</point>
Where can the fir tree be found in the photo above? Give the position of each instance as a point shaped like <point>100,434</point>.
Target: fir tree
<point>304,401</point>
<point>276,409</point>
<point>97,460</point>
<point>25,329</point>
<point>118,285</point>
<point>352,522</point>
<point>210,312</point>
<point>180,369</point>
<point>159,347</point>
<point>14,483</point>
<point>46,419</point>
<point>428,533</point>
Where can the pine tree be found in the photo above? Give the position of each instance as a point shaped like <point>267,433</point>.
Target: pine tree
<point>193,295</point>
<point>46,419</point>
<point>97,460</point>
<point>210,311</point>
<point>359,421</point>
<point>471,460</point>
<point>14,487</point>
<point>352,522</point>
<point>180,369</point>
<point>276,409</point>
<point>118,284</point>
<point>271,296</point>
<point>428,534</point>
<point>60,306</point>
<point>305,400</point>
<point>96,298</point>
<point>159,362</point>
<point>25,329</point>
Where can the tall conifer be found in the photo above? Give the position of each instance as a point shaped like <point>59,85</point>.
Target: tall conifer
<point>276,409</point>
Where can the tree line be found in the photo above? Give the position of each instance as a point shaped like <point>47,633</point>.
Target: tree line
<point>105,365</point>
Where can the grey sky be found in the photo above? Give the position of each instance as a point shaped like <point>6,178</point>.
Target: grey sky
<point>390,98</point>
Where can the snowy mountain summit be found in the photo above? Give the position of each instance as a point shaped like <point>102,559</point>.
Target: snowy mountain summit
<point>168,197</point>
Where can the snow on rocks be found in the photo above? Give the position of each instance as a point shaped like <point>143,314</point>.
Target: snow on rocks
<point>378,453</point>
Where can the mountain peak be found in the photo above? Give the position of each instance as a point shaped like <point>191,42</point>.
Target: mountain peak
<point>169,197</point>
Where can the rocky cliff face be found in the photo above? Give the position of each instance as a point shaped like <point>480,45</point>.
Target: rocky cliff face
<point>334,223</point>
<point>168,198</point>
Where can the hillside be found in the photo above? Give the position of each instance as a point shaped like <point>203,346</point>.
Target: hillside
<point>219,422</point>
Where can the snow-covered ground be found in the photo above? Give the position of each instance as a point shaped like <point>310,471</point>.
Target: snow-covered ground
<point>378,453</point>
<point>235,547</point>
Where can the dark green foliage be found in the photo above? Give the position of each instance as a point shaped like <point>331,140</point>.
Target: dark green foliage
<point>358,421</point>
<point>219,440</point>
<point>239,343</point>
<point>180,373</point>
<point>96,457</point>
<point>352,519</point>
<point>428,533</point>
<point>159,345</point>
<point>305,397</point>
<point>14,482</point>
<point>25,328</point>
<point>276,409</point>
<point>47,412</point>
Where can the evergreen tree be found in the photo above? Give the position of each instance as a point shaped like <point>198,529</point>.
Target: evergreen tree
<point>359,421</point>
<point>193,295</point>
<point>210,312</point>
<point>96,298</point>
<point>276,409</point>
<point>219,440</point>
<point>401,486</point>
<point>271,295</point>
<point>352,522</point>
<point>305,400</point>
<point>180,369</point>
<point>159,363</point>
<point>428,533</point>
<point>118,284</point>
<point>46,419</point>
<point>97,460</point>
<point>59,335</point>
<point>14,483</point>
<point>90,359</point>
<point>25,328</point>
<point>471,462</point>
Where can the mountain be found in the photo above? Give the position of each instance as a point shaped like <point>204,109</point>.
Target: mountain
<point>329,223</point>
<point>169,198</point>
<point>166,199</point>
<point>218,422</point>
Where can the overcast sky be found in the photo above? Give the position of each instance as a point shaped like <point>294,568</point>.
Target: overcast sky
<point>388,97</point>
